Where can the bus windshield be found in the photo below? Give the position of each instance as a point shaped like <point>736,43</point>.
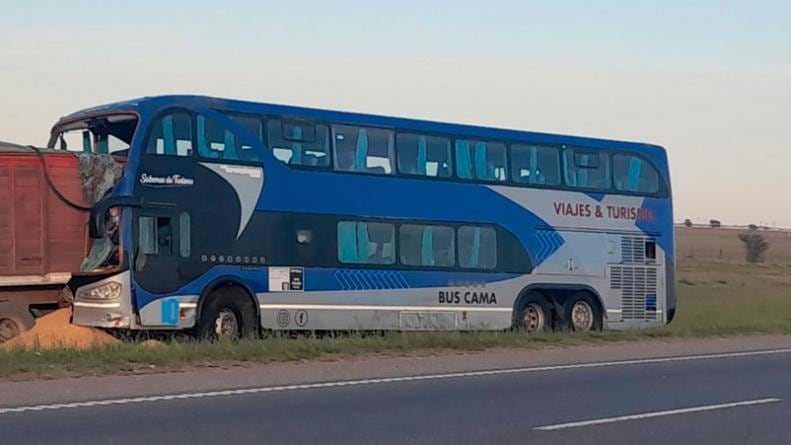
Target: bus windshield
<point>101,135</point>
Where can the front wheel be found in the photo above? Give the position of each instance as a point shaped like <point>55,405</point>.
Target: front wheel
<point>227,313</point>
<point>582,313</point>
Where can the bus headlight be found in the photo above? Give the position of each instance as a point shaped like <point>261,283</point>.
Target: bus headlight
<point>106,291</point>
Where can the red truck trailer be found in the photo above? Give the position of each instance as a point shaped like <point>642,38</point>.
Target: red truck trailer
<point>43,232</point>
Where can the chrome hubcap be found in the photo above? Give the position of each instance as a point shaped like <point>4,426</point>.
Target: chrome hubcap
<point>582,316</point>
<point>533,320</point>
<point>226,324</point>
<point>8,329</point>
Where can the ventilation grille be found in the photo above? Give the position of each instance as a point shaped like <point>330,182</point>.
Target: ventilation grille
<point>638,286</point>
<point>633,250</point>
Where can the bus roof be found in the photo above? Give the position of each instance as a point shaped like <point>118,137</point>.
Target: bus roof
<point>233,105</point>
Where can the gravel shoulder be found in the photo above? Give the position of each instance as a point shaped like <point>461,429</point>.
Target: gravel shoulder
<point>14,394</point>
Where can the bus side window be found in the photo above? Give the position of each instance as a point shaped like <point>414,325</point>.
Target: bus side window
<point>586,169</point>
<point>535,165</point>
<point>366,243</point>
<point>363,149</point>
<point>477,247</point>
<point>480,160</point>
<point>424,155</point>
<point>171,135</point>
<point>155,235</point>
<point>422,245</point>
<point>633,174</point>
<point>299,142</point>
<point>217,142</point>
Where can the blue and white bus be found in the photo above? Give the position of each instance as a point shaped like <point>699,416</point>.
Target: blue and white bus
<point>232,217</point>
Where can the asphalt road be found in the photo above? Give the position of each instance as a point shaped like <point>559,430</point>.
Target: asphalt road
<point>497,408</point>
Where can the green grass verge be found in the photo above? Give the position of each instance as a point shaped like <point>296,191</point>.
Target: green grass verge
<point>714,300</point>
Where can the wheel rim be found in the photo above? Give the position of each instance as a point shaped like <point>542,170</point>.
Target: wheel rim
<point>534,319</point>
<point>8,329</point>
<point>226,324</point>
<point>582,316</point>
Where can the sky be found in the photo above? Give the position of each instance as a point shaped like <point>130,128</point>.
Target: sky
<point>708,80</point>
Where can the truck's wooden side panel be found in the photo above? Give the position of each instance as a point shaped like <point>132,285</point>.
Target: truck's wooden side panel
<point>39,234</point>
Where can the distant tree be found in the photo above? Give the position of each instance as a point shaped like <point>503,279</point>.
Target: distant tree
<point>752,227</point>
<point>687,222</point>
<point>755,247</point>
<point>715,224</point>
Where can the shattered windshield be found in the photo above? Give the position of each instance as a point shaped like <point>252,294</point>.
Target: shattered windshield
<point>101,135</point>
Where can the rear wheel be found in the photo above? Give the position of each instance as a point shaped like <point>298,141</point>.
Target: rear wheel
<point>582,313</point>
<point>14,320</point>
<point>227,313</point>
<point>534,314</point>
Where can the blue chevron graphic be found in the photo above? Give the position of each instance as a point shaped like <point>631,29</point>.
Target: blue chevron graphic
<point>370,279</point>
<point>549,241</point>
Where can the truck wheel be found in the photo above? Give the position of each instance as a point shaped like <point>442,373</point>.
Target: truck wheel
<point>14,320</point>
<point>582,313</point>
<point>534,314</point>
<point>227,313</point>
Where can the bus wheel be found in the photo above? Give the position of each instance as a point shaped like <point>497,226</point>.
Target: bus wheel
<point>533,314</point>
<point>14,320</point>
<point>228,313</point>
<point>582,313</point>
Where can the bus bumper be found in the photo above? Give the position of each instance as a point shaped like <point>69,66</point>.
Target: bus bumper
<point>104,304</point>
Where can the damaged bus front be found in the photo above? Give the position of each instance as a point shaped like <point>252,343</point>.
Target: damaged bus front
<point>101,141</point>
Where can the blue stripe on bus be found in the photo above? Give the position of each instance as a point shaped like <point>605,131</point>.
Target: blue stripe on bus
<point>332,279</point>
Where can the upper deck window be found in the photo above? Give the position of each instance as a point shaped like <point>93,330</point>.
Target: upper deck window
<point>480,160</point>
<point>424,155</point>
<point>363,149</point>
<point>634,174</point>
<point>586,169</point>
<point>217,142</point>
<point>171,135</point>
<point>535,165</point>
<point>299,142</point>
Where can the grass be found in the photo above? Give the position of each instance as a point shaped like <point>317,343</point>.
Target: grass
<point>715,299</point>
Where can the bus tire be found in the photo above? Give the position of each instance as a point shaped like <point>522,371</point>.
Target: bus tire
<point>14,320</point>
<point>534,313</point>
<point>228,312</point>
<point>582,313</point>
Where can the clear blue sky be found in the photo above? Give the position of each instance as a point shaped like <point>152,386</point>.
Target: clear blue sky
<point>711,80</point>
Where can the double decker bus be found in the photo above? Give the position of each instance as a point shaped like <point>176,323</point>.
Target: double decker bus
<point>233,216</point>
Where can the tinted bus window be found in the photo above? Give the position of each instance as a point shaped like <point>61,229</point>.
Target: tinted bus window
<point>366,243</point>
<point>361,149</point>
<point>586,169</point>
<point>254,126</point>
<point>217,142</point>
<point>427,245</point>
<point>477,247</point>
<point>535,165</point>
<point>424,155</point>
<point>634,174</point>
<point>171,135</point>
<point>480,160</point>
<point>299,142</point>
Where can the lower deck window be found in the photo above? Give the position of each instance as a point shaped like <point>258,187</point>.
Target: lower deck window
<point>366,243</point>
<point>477,247</point>
<point>427,245</point>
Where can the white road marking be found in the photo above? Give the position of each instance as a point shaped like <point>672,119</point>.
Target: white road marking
<point>672,412</point>
<point>452,375</point>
